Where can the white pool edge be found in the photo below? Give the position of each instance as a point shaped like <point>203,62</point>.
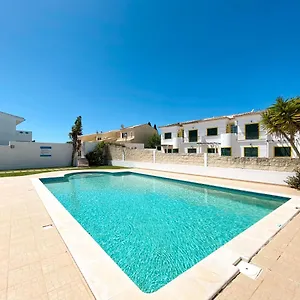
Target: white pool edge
<point>204,280</point>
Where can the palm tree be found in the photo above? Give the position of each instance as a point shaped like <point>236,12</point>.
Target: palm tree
<point>283,119</point>
<point>74,134</point>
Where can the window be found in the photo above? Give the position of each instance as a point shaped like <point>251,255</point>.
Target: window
<point>124,135</point>
<point>169,150</point>
<point>175,150</point>
<point>193,136</point>
<point>211,150</point>
<point>233,128</point>
<point>252,131</point>
<point>226,151</point>
<point>282,151</point>
<point>192,150</point>
<point>212,131</point>
<point>131,133</point>
<point>99,139</point>
<point>168,135</point>
<point>251,151</point>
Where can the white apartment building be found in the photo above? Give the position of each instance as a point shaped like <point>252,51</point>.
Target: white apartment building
<point>240,135</point>
<point>8,131</point>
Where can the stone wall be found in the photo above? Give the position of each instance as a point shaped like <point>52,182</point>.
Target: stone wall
<point>114,153</point>
<point>176,158</point>
<point>146,155</point>
<point>258,163</point>
<point>143,155</point>
<point>119,153</point>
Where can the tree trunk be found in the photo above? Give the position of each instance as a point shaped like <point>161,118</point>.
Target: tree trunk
<point>73,151</point>
<point>291,141</point>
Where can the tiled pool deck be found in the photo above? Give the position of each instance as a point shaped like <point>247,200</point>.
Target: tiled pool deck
<point>36,264</point>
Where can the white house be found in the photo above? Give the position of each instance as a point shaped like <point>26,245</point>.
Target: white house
<point>8,132</point>
<point>239,135</point>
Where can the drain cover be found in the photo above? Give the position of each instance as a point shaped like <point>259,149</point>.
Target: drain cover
<point>49,226</point>
<point>249,270</point>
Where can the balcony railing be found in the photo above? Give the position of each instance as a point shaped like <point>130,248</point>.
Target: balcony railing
<point>239,137</point>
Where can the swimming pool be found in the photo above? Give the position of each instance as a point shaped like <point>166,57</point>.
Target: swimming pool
<point>156,228</point>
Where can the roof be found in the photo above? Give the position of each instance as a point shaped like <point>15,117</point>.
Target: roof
<point>18,119</point>
<point>134,126</point>
<point>98,133</point>
<point>115,130</point>
<point>213,118</point>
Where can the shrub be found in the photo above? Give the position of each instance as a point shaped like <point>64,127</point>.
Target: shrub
<point>97,157</point>
<point>294,181</point>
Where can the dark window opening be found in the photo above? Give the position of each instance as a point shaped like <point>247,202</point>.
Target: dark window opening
<point>168,135</point>
<point>233,128</point>
<point>251,151</point>
<point>252,131</point>
<point>226,151</point>
<point>193,135</point>
<point>212,131</point>
<point>282,151</point>
<point>192,150</point>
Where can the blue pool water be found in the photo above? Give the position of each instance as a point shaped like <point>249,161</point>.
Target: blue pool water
<point>155,228</point>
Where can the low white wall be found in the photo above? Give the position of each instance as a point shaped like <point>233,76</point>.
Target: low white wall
<point>28,155</point>
<point>271,177</point>
<point>89,146</point>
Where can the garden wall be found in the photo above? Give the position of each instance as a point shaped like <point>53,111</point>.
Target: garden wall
<point>266,170</point>
<point>30,155</point>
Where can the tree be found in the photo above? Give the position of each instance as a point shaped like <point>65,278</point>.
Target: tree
<point>153,141</point>
<point>96,157</point>
<point>283,119</point>
<point>74,134</point>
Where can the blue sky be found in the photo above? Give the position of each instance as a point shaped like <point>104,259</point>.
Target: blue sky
<point>132,61</point>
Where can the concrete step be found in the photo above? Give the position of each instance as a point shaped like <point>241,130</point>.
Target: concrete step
<point>82,162</point>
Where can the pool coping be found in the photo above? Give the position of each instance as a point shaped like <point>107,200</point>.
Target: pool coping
<point>203,281</point>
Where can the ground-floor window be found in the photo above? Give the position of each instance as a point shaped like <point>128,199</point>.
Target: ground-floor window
<point>169,150</point>
<point>212,150</point>
<point>226,151</point>
<point>251,151</point>
<point>282,151</point>
<point>175,150</point>
<point>192,150</point>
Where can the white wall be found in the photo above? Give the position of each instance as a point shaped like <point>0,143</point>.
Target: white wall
<point>7,129</point>
<point>249,119</point>
<point>23,136</point>
<point>272,177</point>
<point>25,155</point>
<point>88,147</point>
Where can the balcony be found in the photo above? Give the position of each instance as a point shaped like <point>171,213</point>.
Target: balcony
<point>262,136</point>
<point>125,139</point>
